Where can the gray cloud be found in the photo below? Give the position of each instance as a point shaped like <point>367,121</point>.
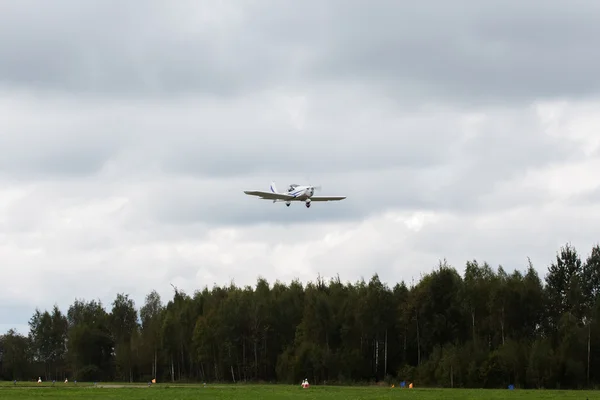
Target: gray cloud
<point>590,197</point>
<point>46,137</point>
<point>111,48</point>
<point>202,139</point>
<point>508,237</point>
<point>468,50</point>
<point>188,163</point>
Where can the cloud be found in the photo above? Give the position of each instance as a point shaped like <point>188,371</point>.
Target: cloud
<point>501,51</point>
<point>129,134</point>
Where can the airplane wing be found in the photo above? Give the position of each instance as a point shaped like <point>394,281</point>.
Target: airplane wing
<point>327,198</point>
<point>269,195</point>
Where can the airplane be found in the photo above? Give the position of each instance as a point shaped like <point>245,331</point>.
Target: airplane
<point>295,193</point>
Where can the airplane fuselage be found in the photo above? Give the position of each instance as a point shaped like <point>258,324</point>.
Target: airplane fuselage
<point>301,192</point>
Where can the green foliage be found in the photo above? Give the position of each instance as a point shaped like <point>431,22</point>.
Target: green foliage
<point>487,328</point>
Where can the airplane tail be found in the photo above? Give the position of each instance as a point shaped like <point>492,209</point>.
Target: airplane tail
<point>273,188</point>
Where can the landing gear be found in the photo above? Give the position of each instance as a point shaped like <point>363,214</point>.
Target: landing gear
<point>287,204</point>
<point>308,203</point>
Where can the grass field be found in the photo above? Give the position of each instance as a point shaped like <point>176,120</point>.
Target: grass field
<point>165,391</point>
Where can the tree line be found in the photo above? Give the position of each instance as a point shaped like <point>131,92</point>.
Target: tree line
<point>486,328</point>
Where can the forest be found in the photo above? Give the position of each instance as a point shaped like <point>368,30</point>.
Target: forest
<point>483,328</point>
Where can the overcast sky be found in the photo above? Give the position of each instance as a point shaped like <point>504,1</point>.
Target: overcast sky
<point>129,130</point>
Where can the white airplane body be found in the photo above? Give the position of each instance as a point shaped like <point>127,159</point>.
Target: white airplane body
<point>295,192</point>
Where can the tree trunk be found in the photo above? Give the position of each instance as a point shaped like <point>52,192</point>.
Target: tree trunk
<point>473,323</point>
<point>182,365</point>
<point>502,325</point>
<point>418,342</point>
<point>588,351</point>
<point>172,370</point>
<point>255,360</point>
<point>265,355</point>
<point>376,355</point>
<point>386,348</point>
<point>155,365</point>
<point>404,353</point>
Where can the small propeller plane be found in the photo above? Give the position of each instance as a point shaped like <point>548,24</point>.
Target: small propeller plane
<point>295,193</point>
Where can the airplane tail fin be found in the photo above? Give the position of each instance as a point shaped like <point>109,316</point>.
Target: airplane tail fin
<point>273,188</point>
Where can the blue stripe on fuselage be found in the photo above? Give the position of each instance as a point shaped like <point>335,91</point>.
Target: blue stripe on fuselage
<point>297,192</point>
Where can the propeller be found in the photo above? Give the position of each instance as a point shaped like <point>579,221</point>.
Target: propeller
<point>316,187</point>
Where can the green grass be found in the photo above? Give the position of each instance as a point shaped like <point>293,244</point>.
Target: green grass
<point>165,391</point>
